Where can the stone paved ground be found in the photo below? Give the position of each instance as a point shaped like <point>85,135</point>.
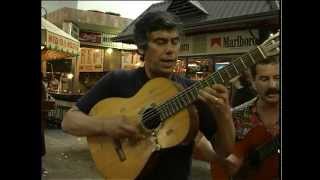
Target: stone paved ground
<point>68,158</point>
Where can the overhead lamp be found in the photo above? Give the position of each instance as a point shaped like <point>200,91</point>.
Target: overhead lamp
<point>70,76</point>
<point>109,50</point>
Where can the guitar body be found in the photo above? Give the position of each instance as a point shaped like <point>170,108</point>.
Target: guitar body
<point>267,169</point>
<point>177,129</point>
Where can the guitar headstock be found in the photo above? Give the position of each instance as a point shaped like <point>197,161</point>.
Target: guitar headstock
<point>270,47</point>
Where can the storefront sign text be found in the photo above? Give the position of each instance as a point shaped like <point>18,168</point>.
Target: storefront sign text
<point>231,42</point>
<point>90,37</point>
<point>59,42</point>
<point>228,42</point>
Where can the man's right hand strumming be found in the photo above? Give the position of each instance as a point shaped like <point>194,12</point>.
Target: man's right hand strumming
<point>78,123</point>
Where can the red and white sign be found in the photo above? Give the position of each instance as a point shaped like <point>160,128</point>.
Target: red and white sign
<point>90,37</point>
<point>231,42</point>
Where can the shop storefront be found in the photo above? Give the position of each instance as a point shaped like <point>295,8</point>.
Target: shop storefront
<point>57,47</point>
<point>100,55</point>
<point>216,32</point>
<point>206,53</point>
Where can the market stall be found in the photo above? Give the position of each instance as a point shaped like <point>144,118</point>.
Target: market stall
<point>56,45</point>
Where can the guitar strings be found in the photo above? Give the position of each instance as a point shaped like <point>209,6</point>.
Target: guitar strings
<point>151,115</point>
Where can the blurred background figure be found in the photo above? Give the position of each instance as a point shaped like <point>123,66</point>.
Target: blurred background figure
<point>44,98</point>
<point>242,90</point>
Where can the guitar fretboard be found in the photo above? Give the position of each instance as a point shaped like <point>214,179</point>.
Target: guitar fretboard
<point>222,76</point>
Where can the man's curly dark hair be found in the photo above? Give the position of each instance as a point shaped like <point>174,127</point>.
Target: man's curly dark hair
<point>154,21</point>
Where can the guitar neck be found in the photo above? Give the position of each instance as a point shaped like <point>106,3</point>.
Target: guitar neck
<point>222,76</point>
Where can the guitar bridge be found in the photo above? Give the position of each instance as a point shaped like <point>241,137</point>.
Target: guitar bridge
<point>119,150</point>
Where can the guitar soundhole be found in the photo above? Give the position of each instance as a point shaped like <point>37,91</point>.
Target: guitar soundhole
<point>151,118</point>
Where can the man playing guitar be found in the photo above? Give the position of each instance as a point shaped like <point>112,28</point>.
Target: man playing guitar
<point>256,153</point>
<point>158,38</point>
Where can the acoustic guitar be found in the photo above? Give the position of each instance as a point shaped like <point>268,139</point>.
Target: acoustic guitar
<point>163,114</point>
<point>261,153</point>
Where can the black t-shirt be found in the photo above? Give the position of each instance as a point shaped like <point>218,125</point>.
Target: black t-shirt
<point>173,163</point>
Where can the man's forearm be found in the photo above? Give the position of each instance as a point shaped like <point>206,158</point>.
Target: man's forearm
<point>78,123</point>
<point>225,136</point>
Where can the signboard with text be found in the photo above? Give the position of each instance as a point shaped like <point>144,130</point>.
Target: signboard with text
<point>60,43</point>
<point>103,40</point>
<point>231,42</point>
<point>107,42</point>
<point>186,45</point>
<point>90,37</point>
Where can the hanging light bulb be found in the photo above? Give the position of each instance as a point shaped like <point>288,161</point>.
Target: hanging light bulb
<point>109,50</point>
<point>70,76</point>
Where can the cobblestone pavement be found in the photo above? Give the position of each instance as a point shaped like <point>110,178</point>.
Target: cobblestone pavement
<point>68,158</point>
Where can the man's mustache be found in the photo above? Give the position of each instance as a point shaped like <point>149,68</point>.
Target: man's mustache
<point>272,91</point>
